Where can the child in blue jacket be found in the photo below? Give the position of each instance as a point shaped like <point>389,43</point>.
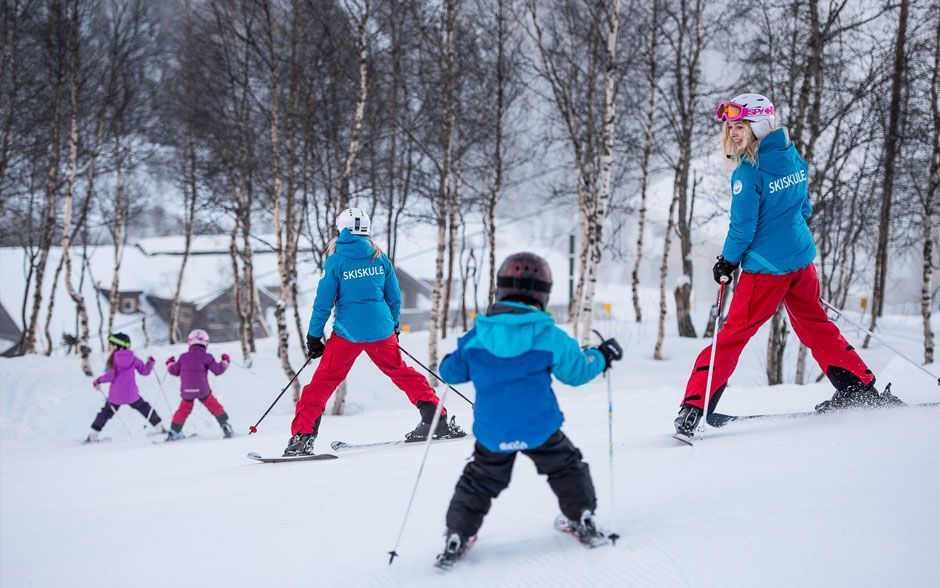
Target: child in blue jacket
<point>510,356</point>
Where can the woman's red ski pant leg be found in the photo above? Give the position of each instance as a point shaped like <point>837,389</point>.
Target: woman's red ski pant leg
<point>823,338</point>
<point>756,299</point>
<point>334,366</point>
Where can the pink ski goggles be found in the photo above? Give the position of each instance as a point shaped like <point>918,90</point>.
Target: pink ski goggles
<point>729,111</point>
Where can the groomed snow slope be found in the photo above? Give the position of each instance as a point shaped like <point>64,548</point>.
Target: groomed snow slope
<point>837,500</point>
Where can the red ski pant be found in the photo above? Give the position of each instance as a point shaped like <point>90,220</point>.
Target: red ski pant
<point>755,301</point>
<point>186,407</point>
<point>338,359</point>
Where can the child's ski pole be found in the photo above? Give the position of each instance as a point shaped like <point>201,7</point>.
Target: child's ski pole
<point>254,428</point>
<point>610,445</point>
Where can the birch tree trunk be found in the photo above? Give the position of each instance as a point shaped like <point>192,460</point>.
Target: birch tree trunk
<point>190,195</point>
<point>891,149</point>
<point>52,176</point>
<point>778,329</point>
<point>607,153</point>
<point>339,402</point>
<point>663,275</point>
<point>118,229</point>
<point>645,160</point>
<point>453,208</point>
<point>66,242</point>
<point>283,241</point>
<point>500,115</point>
<point>933,185</point>
<point>443,191</point>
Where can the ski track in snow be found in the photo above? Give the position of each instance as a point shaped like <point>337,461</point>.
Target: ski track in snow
<point>835,500</point>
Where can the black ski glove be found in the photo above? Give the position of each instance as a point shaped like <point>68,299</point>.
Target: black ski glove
<point>315,346</point>
<point>723,269</point>
<point>611,350</point>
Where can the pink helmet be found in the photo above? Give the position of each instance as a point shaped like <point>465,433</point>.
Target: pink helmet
<point>198,337</point>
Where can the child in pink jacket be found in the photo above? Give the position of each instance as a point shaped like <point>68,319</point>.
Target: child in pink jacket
<point>193,370</point>
<point>122,363</point>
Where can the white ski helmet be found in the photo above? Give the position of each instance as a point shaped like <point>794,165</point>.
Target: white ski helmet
<point>198,337</point>
<point>763,121</point>
<point>354,219</point>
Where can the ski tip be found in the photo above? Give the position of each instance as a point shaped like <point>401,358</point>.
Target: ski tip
<point>391,556</point>
<point>255,456</point>
<point>336,445</point>
<point>684,439</point>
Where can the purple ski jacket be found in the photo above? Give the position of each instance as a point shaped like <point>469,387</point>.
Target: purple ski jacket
<point>193,368</point>
<point>123,389</point>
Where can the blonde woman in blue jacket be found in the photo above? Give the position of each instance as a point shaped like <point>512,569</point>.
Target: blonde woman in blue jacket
<point>360,285</point>
<point>770,240</point>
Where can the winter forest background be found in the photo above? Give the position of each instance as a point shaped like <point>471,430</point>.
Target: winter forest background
<point>261,120</point>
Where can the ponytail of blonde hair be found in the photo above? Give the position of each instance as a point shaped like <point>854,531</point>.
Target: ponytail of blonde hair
<point>734,154</point>
<point>376,250</point>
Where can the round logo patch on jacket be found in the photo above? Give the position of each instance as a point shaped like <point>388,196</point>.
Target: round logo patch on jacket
<point>737,187</point>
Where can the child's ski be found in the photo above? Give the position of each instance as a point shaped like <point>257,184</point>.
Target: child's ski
<point>168,440</point>
<point>342,446</point>
<point>98,440</point>
<point>317,457</point>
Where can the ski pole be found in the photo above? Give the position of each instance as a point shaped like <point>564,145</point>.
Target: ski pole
<point>427,447</point>
<point>114,411</point>
<point>897,351</point>
<point>711,362</point>
<point>428,370</point>
<point>254,428</point>
<point>166,400</point>
<point>610,444</point>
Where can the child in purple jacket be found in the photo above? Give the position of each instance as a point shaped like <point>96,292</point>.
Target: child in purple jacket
<point>122,363</point>
<point>193,369</point>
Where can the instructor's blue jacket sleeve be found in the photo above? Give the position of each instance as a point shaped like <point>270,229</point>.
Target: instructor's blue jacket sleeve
<point>392,292</point>
<point>571,364</point>
<point>327,290</point>
<point>745,206</point>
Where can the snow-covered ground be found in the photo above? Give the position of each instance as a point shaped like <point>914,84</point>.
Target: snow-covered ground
<point>839,500</point>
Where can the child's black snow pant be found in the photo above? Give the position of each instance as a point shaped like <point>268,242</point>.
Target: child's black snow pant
<point>140,405</point>
<point>489,473</point>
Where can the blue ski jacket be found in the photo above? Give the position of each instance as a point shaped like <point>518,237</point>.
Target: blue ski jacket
<point>510,355</point>
<point>769,209</point>
<point>363,289</point>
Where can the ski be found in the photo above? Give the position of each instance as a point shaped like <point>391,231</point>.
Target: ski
<point>718,420</point>
<point>592,541</point>
<point>99,440</point>
<point>168,440</point>
<point>687,439</point>
<point>317,457</point>
<point>343,446</point>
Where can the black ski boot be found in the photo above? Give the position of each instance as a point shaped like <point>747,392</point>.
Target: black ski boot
<point>300,444</point>
<point>687,421</point>
<point>445,429</point>
<point>454,549</point>
<point>584,530</point>
<point>448,429</point>
<point>227,431</point>
<point>859,395</point>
